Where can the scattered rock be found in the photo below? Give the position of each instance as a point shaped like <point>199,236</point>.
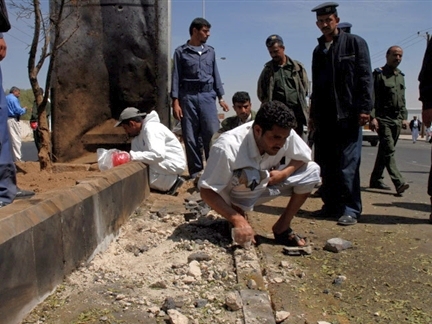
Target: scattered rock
<point>199,256</point>
<point>168,304</point>
<point>158,285</point>
<point>282,316</point>
<point>338,295</point>
<point>176,317</point>
<point>199,303</point>
<point>233,301</point>
<point>339,280</point>
<point>194,269</point>
<point>337,245</point>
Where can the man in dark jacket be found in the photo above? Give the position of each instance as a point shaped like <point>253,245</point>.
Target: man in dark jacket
<point>425,87</point>
<point>341,103</point>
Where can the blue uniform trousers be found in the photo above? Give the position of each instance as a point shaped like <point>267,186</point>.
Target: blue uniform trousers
<point>340,145</point>
<point>200,121</point>
<point>7,166</point>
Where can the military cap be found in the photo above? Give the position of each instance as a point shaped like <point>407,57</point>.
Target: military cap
<point>271,40</point>
<point>345,26</point>
<point>325,8</point>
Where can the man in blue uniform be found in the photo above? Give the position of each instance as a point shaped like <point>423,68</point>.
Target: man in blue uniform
<point>341,102</point>
<point>195,85</point>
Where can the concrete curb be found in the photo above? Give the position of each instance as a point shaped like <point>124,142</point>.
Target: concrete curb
<point>45,238</point>
<point>253,290</point>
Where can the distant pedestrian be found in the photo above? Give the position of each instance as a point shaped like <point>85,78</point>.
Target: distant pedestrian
<point>425,88</point>
<point>388,117</point>
<point>341,102</point>
<point>15,111</point>
<point>415,126</point>
<point>285,79</point>
<point>194,88</point>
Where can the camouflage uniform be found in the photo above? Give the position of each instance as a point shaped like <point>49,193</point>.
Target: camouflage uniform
<point>266,89</point>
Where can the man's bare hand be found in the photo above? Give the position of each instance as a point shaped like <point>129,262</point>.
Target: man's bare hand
<point>374,125</point>
<point>3,49</point>
<point>363,119</point>
<point>177,111</point>
<point>276,176</point>
<point>224,105</point>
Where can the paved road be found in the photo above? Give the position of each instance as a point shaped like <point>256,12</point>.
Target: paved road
<point>29,151</point>
<point>413,161</point>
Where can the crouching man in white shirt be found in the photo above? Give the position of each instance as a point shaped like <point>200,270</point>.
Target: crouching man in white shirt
<point>255,163</point>
<point>154,144</point>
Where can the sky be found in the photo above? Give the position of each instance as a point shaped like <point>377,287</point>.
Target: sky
<point>240,28</point>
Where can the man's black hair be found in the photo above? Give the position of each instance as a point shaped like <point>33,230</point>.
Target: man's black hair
<point>241,97</point>
<point>198,23</point>
<point>275,113</point>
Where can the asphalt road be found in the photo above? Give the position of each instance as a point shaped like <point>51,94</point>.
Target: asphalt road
<point>413,160</point>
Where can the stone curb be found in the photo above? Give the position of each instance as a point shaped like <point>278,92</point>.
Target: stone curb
<point>254,294</point>
<point>45,238</point>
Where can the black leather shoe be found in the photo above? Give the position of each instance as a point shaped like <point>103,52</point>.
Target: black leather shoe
<point>347,220</point>
<point>22,194</point>
<point>379,185</point>
<point>402,188</point>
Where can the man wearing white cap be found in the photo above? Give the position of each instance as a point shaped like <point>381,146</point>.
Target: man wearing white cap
<point>154,144</point>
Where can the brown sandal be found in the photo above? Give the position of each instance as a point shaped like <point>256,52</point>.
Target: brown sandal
<point>290,238</point>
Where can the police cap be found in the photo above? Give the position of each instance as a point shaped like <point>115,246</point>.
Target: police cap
<point>325,8</point>
<point>345,26</point>
<point>272,39</point>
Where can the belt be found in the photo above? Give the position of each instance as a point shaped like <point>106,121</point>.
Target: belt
<point>197,87</point>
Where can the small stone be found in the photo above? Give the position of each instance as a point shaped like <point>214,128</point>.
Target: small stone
<point>199,256</point>
<point>233,301</point>
<point>251,284</point>
<point>103,319</point>
<point>199,303</point>
<point>176,317</point>
<point>337,245</point>
<point>120,297</point>
<point>158,285</point>
<point>323,322</point>
<point>326,291</point>
<point>194,269</point>
<point>154,310</point>
<point>282,316</point>
<point>278,280</point>
<point>339,280</point>
<point>338,295</point>
<point>169,303</point>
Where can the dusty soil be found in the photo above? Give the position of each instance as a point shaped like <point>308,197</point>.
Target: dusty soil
<point>388,271</point>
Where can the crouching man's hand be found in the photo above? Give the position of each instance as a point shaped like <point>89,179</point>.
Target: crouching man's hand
<point>242,233</point>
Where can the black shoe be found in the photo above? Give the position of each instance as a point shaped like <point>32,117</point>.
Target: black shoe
<point>400,190</point>
<point>324,213</point>
<point>22,194</point>
<point>347,220</point>
<point>179,182</point>
<point>379,185</point>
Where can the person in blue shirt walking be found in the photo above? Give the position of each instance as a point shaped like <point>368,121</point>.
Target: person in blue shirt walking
<point>194,88</point>
<point>15,111</point>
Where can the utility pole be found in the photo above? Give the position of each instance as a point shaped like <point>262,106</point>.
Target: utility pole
<point>428,38</point>
<point>203,8</point>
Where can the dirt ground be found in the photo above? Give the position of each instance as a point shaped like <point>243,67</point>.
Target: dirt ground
<point>387,275</point>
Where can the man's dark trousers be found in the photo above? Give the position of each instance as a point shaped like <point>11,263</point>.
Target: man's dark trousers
<point>340,143</point>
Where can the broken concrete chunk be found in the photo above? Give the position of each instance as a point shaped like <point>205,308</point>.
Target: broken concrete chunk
<point>337,245</point>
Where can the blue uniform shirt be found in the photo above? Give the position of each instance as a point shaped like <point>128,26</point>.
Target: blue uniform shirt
<point>14,107</point>
<point>193,67</point>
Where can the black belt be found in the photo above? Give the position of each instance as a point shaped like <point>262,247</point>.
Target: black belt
<point>197,87</point>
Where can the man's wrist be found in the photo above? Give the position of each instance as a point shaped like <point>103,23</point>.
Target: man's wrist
<point>221,100</point>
